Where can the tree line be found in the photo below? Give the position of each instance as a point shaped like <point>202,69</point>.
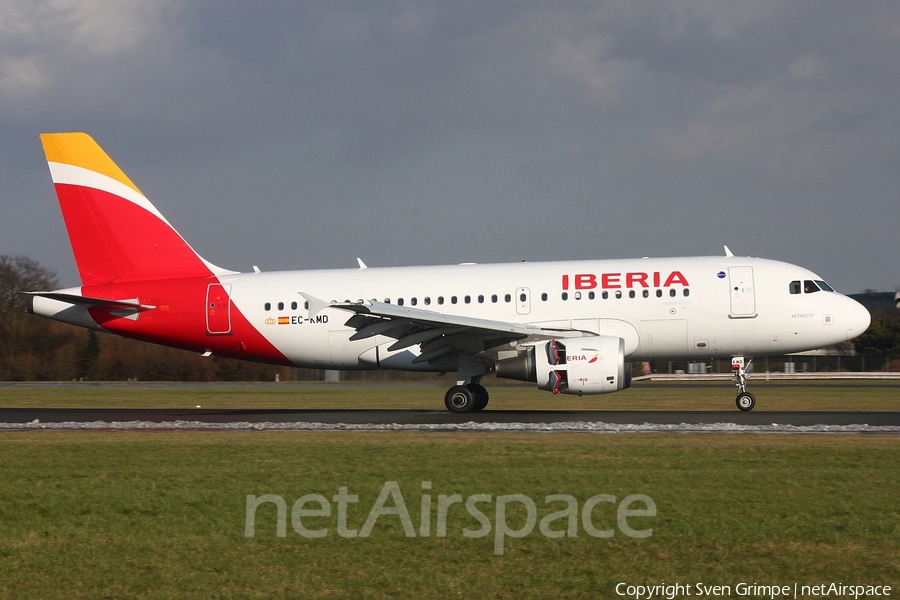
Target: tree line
<point>37,349</point>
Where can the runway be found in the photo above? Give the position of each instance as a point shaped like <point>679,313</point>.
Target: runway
<point>436,420</point>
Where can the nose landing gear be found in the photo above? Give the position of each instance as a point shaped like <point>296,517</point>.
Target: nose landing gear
<point>745,401</point>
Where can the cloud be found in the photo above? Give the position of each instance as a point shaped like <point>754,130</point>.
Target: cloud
<point>599,115</point>
<point>44,41</point>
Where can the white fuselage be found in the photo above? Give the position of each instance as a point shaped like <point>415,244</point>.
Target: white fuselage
<point>664,308</point>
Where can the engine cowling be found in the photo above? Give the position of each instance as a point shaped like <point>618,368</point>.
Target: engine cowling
<point>594,365</point>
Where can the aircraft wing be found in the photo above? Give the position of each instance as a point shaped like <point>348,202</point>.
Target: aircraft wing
<point>435,332</point>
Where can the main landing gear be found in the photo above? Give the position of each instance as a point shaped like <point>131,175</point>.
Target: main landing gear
<point>745,400</point>
<point>466,398</point>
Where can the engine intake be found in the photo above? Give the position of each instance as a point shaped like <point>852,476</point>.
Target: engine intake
<point>594,365</point>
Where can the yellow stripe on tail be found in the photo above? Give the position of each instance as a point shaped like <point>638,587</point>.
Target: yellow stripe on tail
<point>80,150</point>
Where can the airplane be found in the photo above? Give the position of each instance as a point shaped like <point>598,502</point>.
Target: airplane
<point>569,327</point>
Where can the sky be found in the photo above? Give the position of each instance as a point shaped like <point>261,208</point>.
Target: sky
<point>295,135</point>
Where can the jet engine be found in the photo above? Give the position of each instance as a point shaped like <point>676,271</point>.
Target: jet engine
<point>593,365</point>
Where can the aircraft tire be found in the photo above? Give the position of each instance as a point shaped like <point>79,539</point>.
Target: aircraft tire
<point>460,399</point>
<point>481,396</point>
<point>745,401</point>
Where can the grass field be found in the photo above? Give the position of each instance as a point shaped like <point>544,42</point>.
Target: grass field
<point>824,395</point>
<point>162,515</point>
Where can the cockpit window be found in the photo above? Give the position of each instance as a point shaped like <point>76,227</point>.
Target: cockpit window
<point>809,286</point>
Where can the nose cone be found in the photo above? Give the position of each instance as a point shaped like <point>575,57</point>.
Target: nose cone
<point>856,318</point>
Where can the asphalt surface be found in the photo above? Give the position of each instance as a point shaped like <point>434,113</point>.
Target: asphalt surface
<point>439,417</point>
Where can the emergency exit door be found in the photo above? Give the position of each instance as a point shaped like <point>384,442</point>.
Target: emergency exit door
<point>523,301</point>
<point>218,309</point>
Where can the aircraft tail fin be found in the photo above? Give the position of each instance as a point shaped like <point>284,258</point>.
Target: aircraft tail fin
<point>115,232</point>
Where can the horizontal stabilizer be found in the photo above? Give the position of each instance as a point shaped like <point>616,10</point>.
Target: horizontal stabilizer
<point>88,302</point>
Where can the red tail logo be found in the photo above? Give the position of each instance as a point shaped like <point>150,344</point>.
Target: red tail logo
<point>115,232</point>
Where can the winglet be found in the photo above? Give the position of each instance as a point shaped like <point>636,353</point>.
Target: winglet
<point>362,265</point>
<point>728,252</point>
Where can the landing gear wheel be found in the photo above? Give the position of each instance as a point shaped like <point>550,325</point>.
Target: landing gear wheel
<point>481,395</point>
<point>745,401</point>
<point>460,399</point>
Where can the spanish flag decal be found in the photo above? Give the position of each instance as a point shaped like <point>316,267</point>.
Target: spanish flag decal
<point>284,320</point>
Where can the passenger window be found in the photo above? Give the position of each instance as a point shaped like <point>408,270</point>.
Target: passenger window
<point>468,299</point>
<point>427,301</point>
<point>659,293</point>
<point>480,299</point>
<point>399,301</point>
<point>452,299</point>
<point>618,294</point>
<point>413,301</point>
<point>268,306</point>
<point>591,295</point>
<point>494,298</point>
<point>646,293</point>
<point>440,299</point>
<point>672,292</point>
<point>795,287</point>
<point>293,306</point>
<point>578,295</point>
<point>631,294</point>
<point>544,296</point>
<point>687,292</point>
<point>810,287</point>
<point>605,295</point>
<point>508,298</point>
<point>565,295</point>
<point>281,306</point>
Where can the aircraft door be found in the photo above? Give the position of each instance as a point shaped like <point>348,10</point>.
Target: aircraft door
<point>743,297</point>
<point>218,309</point>
<point>523,300</point>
